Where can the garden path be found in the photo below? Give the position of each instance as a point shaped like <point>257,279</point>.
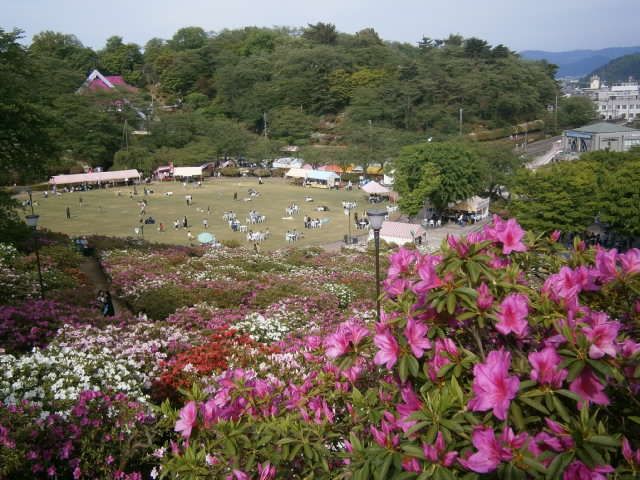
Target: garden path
<point>91,268</point>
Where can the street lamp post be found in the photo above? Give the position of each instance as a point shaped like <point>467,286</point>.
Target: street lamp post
<point>32,222</point>
<point>347,212</point>
<point>376,218</point>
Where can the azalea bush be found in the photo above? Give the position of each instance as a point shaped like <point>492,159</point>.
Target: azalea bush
<point>104,436</point>
<point>502,356</point>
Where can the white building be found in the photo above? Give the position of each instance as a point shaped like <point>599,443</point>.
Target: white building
<point>616,102</point>
<point>401,233</point>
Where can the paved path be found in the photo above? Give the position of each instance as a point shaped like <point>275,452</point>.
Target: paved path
<point>91,268</point>
<point>435,236</point>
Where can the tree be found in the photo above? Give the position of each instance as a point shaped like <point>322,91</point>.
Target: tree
<point>25,143</point>
<point>442,172</point>
<point>324,33</point>
<point>118,58</point>
<point>290,123</point>
<point>562,197</point>
<point>188,38</point>
<point>575,111</point>
<point>134,157</point>
<point>620,198</point>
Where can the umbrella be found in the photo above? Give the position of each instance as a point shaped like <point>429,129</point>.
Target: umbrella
<point>205,237</point>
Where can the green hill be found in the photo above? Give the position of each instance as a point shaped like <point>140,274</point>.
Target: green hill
<point>620,69</point>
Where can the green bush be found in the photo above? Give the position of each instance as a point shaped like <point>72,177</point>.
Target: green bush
<point>230,172</point>
<point>261,172</point>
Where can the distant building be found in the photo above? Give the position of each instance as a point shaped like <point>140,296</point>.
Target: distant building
<point>600,136</point>
<point>620,101</point>
<point>96,81</point>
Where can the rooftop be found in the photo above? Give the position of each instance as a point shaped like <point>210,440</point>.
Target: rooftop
<point>604,127</point>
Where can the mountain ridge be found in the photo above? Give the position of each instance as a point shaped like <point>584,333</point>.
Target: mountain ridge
<point>579,63</point>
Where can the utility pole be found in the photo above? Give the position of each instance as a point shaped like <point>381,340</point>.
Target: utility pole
<point>461,122</point>
<point>266,129</point>
<point>556,115</point>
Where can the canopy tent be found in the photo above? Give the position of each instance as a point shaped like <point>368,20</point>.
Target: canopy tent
<point>96,177</point>
<point>401,233</point>
<point>316,177</point>
<point>187,172</point>
<point>297,173</point>
<point>476,205</point>
<point>374,188</point>
<point>323,179</point>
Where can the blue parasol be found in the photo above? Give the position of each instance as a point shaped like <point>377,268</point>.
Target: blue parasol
<point>206,237</point>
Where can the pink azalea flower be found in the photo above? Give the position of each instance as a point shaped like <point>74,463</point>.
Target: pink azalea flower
<point>606,264</point>
<point>401,262</point>
<point>630,261</point>
<point>631,456</point>
<point>493,388</point>
<point>484,299</point>
<point>411,404</point>
<point>411,465</point>
<point>266,471</point>
<point>630,348</point>
<point>348,335</point>
<point>396,286</point>
<point>555,236</point>
<point>509,234</point>
<point>602,336</point>
<point>415,332</point>
<point>437,453</point>
<point>491,451</point>
<point>239,475</point>
<point>589,388</point>
<point>428,276</point>
<point>546,369</point>
<point>512,315</point>
<point>579,471</point>
<point>389,350</point>
<point>188,415</point>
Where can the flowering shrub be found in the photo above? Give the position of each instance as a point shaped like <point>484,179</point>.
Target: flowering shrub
<point>345,294</point>
<point>211,357</point>
<point>499,357</point>
<point>34,323</point>
<point>103,436</point>
<point>263,329</point>
<point>54,378</point>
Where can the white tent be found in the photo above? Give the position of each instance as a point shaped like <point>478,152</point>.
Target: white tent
<point>401,233</point>
<point>475,204</point>
<point>297,173</point>
<point>96,177</point>
<point>187,172</point>
<point>374,188</point>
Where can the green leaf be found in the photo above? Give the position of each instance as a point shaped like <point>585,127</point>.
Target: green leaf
<point>516,415</point>
<point>382,473</point>
<point>537,466</point>
<point>534,404</point>
<point>604,440</point>
<point>403,368</point>
<point>575,369</point>
<point>451,303</point>
<point>414,366</point>
<point>561,409</point>
<point>558,465</point>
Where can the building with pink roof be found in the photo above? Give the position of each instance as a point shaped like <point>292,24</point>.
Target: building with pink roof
<point>96,82</point>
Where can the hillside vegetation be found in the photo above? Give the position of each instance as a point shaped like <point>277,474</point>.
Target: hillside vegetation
<point>620,69</point>
<point>353,90</point>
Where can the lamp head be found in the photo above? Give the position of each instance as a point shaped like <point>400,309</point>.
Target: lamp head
<point>32,220</point>
<point>376,218</point>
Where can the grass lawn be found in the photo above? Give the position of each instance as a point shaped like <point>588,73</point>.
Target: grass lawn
<point>104,212</point>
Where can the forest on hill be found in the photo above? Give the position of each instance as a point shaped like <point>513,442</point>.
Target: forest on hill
<point>620,69</point>
<point>207,95</point>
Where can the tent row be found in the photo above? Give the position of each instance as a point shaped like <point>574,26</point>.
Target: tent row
<point>115,176</point>
<point>314,177</point>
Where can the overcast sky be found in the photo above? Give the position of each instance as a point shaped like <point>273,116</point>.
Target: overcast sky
<point>521,25</point>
